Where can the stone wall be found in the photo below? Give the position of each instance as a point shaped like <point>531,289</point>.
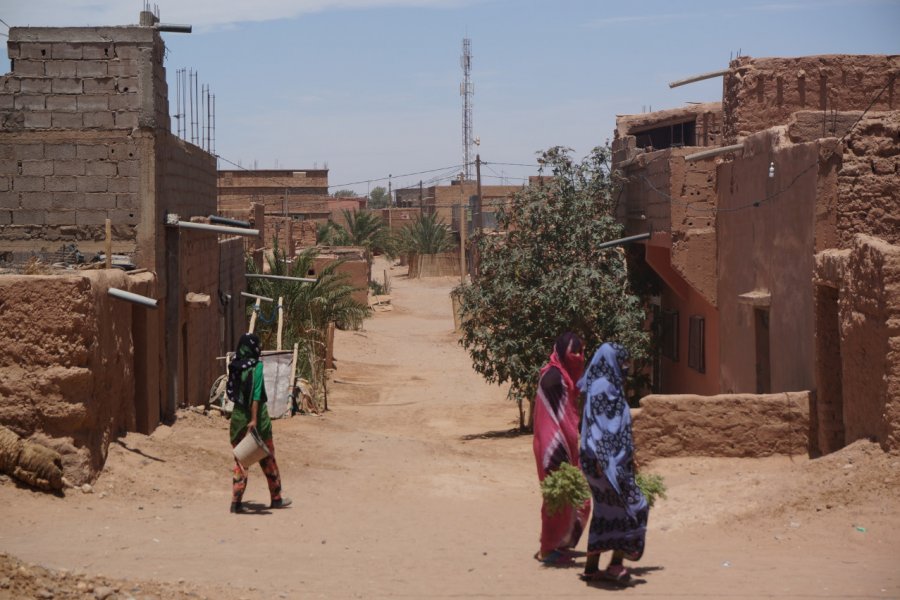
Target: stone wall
<point>760,93</point>
<point>738,425</point>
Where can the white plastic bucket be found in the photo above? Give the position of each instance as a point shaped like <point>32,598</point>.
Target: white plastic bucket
<point>250,450</point>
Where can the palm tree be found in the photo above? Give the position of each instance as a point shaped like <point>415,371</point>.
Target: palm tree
<point>425,235</point>
<point>367,230</point>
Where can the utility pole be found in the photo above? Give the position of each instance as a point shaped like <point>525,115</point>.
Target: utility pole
<point>420,197</point>
<point>479,219</point>
<point>462,231</point>
<point>390,207</point>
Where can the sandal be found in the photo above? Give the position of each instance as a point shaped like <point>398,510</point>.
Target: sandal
<point>593,576</point>
<point>555,558</point>
<point>616,574</point>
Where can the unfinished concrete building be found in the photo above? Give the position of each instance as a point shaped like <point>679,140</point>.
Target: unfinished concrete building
<point>784,243</point>
<point>84,137</point>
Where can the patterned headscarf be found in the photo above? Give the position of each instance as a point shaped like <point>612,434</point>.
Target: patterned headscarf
<point>606,424</point>
<point>245,357</point>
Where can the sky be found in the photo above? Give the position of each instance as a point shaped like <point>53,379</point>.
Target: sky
<point>370,88</point>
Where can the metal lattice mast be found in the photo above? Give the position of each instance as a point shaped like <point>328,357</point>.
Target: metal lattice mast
<point>467,90</point>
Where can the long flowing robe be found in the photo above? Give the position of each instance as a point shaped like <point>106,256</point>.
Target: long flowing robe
<point>619,519</point>
<point>556,442</point>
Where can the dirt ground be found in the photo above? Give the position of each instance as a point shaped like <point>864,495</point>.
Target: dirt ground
<point>413,485</point>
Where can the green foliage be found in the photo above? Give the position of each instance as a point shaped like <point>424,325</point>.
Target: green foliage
<point>366,229</point>
<point>344,194</point>
<point>379,198</point>
<point>565,486</point>
<point>546,275</point>
<point>652,486</point>
<point>426,235</point>
<point>332,234</point>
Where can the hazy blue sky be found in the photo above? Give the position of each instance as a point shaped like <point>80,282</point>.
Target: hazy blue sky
<point>371,87</point>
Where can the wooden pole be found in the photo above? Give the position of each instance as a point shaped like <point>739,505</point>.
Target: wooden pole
<point>280,320</point>
<point>108,246</point>
<point>256,306</point>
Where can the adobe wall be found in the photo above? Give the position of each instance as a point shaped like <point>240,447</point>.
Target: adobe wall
<point>760,93</point>
<point>398,218</point>
<point>707,118</point>
<point>768,249</point>
<point>272,182</point>
<point>727,425</point>
<point>69,377</point>
<point>355,267</point>
<point>233,313</point>
<point>434,265</point>
<point>870,342</point>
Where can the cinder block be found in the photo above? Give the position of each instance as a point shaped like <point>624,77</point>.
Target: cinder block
<point>67,85</point>
<point>128,168</point>
<point>119,184</point>
<point>60,217</point>
<point>29,68</point>
<point>127,101</point>
<point>34,50</point>
<point>12,50</point>
<point>23,183</point>
<point>4,184</point>
<point>61,184</point>
<point>63,50</point>
<point>69,167</point>
<point>91,68</point>
<point>126,120</point>
<point>99,120</point>
<point>5,217</point>
<point>104,51</point>
<point>90,184</point>
<point>29,217</point>
<point>91,151</point>
<point>122,68</point>
<point>128,202</point>
<point>37,200</point>
<point>34,85</point>
<point>61,150</point>
<point>62,103</point>
<point>37,167</point>
<point>37,120</point>
<point>67,120</point>
<point>126,84</point>
<point>127,51</point>
<point>99,85</point>
<point>67,201</point>
<point>9,166</point>
<point>7,101</point>
<point>10,84</point>
<point>93,102</point>
<point>124,217</point>
<point>9,199</point>
<point>61,68</point>
<point>105,168</point>
<point>28,102</point>
<point>90,217</point>
<point>98,201</point>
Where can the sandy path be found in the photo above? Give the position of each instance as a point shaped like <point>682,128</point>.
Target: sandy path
<point>394,499</point>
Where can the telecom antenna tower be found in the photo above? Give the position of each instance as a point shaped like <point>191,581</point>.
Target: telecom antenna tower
<point>467,90</point>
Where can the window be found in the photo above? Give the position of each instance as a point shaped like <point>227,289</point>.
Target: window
<point>669,334</point>
<point>697,344</point>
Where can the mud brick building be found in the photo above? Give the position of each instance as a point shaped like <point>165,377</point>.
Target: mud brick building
<point>84,137</point>
<point>776,237</point>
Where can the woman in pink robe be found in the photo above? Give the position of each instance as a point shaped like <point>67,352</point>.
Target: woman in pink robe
<point>556,429</point>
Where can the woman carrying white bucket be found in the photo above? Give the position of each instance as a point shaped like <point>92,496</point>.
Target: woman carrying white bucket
<point>250,420</point>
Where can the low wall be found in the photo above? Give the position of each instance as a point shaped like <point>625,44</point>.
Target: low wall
<point>729,425</point>
<point>67,378</point>
<point>433,265</point>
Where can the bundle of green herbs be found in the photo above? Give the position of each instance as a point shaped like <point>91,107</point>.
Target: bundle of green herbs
<point>652,486</point>
<point>563,487</point>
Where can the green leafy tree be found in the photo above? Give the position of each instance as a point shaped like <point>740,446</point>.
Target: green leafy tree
<point>379,198</point>
<point>546,276</point>
<point>426,235</point>
<point>344,194</point>
<point>330,233</point>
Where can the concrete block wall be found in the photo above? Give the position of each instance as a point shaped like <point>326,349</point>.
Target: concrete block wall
<point>84,78</point>
<point>198,332</point>
<point>760,93</point>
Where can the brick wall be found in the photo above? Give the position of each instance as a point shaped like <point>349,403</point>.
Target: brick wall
<point>232,282</point>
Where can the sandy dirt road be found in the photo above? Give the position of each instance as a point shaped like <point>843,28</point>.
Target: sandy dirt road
<point>405,489</point>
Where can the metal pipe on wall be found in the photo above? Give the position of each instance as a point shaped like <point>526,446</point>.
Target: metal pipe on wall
<point>217,228</point>
<point>625,240</point>
<point>132,297</point>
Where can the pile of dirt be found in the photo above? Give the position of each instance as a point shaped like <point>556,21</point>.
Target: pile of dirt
<point>23,580</point>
